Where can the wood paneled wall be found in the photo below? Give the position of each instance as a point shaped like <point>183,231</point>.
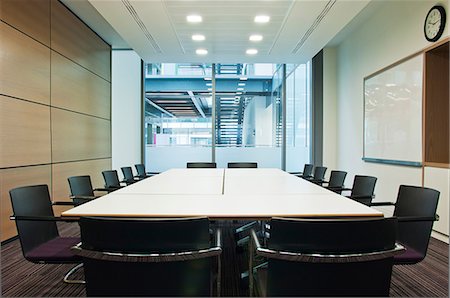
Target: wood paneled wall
<point>55,98</point>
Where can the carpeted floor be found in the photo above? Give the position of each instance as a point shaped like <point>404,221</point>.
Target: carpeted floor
<point>21,278</point>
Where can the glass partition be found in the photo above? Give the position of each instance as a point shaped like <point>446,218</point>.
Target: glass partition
<point>248,102</point>
<point>298,111</point>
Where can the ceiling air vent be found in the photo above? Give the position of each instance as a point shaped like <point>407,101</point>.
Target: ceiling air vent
<point>313,27</point>
<point>141,25</point>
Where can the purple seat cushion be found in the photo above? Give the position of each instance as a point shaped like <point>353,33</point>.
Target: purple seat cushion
<point>56,250</point>
<point>410,256</point>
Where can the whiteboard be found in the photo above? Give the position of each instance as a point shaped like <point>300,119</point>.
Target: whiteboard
<point>393,114</point>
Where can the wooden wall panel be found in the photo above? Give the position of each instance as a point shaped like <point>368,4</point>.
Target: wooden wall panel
<point>437,105</point>
<point>62,171</point>
<point>76,89</point>
<point>29,16</point>
<point>78,137</point>
<point>25,66</point>
<point>24,133</point>
<point>16,177</point>
<point>73,39</point>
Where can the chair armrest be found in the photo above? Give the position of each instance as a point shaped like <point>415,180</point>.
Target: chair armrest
<point>417,218</point>
<point>62,203</point>
<point>152,173</point>
<point>382,204</point>
<point>151,257</point>
<point>83,197</point>
<point>323,258</point>
<point>360,197</point>
<point>42,218</point>
<point>100,189</point>
<point>110,189</point>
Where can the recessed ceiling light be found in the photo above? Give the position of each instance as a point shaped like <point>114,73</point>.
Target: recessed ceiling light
<point>255,37</point>
<point>262,19</point>
<point>198,37</point>
<point>201,51</point>
<point>252,51</point>
<point>241,84</point>
<point>194,19</point>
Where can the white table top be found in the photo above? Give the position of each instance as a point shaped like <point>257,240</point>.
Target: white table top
<point>179,182</point>
<point>223,194</point>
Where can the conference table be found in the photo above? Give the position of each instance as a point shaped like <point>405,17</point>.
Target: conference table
<point>218,194</point>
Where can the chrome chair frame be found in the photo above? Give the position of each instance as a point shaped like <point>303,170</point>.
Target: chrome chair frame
<point>254,245</point>
<point>214,251</point>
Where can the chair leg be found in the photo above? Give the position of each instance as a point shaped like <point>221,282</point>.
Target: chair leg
<point>73,281</point>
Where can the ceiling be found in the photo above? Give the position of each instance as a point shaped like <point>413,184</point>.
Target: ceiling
<point>158,31</point>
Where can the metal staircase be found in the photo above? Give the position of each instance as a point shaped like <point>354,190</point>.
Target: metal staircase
<point>230,114</point>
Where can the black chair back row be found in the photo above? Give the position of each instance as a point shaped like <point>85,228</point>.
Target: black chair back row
<point>230,165</point>
<point>336,276</point>
<point>201,165</point>
<point>132,277</point>
<point>337,179</point>
<point>248,165</point>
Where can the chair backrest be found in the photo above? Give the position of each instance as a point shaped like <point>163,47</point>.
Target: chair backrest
<point>80,186</point>
<point>211,165</point>
<point>139,236</point>
<point>128,176</point>
<point>364,186</point>
<point>334,236</point>
<point>307,170</point>
<point>33,201</point>
<point>319,173</point>
<point>140,169</point>
<point>419,202</point>
<point>234,165</point>
<point>337,179</point>
<point>111,179</point>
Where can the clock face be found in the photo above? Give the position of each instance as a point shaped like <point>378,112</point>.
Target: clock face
<point>434,23</point>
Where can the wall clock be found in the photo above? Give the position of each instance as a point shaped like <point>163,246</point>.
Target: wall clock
<point>434,23</point>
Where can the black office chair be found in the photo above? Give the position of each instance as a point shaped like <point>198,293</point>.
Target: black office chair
<point>319,175</point>
<point>128,177</point>
<point>329,257</point>
<point>81,190</point>
<point>415,209</point>
<point>147,257</point>
<point>307,171</point>
<point>192,165</point>
<point>247,165</point>
<point>111,178</point>
<point>362,190</point>
<point>141,173</point>
<point>336,182</point>
<point>37,229</point>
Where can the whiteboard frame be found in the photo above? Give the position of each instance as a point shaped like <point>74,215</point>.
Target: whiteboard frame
<point>393,161</point>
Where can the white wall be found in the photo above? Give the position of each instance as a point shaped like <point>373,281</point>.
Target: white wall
<point>329,109</point>
<point>394,31</point>
<point>126,110</point>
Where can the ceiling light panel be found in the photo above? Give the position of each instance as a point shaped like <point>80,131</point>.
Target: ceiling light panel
<point>255,37</point>
<point>194,18</point>
<point>201,51</point>
<point>198,37</point>
<point>262,19</point>
<point>226,25</point>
